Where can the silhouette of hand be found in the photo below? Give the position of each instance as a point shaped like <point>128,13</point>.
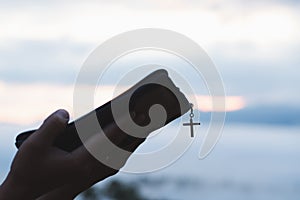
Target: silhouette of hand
<point>40,168</point>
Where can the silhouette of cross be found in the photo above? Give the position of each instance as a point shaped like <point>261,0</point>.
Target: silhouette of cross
<point>191,124</point>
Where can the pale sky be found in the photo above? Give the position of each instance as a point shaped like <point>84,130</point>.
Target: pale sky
<point>43,44</point>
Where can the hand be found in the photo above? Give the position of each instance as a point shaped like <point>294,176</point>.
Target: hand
<point>40,168</point>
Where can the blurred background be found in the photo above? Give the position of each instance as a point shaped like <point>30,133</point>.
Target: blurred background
<point>254,44</point>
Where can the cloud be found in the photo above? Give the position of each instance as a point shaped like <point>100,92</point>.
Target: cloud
<point>232,103</point>
<point>56,61</point>
<point>94,21</point>
<point>29,103</point>
<point>26,104</point>
<point>259,76</point>
<point>254,44</point>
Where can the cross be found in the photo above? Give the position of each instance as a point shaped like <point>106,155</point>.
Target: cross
<point>191,123</point>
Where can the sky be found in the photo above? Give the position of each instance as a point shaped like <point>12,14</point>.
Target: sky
<point>254,44</point>
<point>43,45</point>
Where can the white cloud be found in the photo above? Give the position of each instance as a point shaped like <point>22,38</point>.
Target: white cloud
<point>26,104</point>
<point>246,39</point>
<point>29,103</point>
<point>94,22</point>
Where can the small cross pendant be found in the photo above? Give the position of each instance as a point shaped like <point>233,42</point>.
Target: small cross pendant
<point>191,123</point>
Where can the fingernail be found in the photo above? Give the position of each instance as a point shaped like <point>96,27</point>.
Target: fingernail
<point>64,115</point>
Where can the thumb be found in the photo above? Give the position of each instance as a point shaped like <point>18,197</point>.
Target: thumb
<point>54,125</point>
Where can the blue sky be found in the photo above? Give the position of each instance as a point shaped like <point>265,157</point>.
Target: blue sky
<point>254,44</point>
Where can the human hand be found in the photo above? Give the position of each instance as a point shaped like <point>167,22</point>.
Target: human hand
<point>39,167</point>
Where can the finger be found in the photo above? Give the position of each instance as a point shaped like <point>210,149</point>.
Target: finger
<point>106,143</point>
<point>111,147</point>
<point>100,143</point>
<point>54,125</point>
